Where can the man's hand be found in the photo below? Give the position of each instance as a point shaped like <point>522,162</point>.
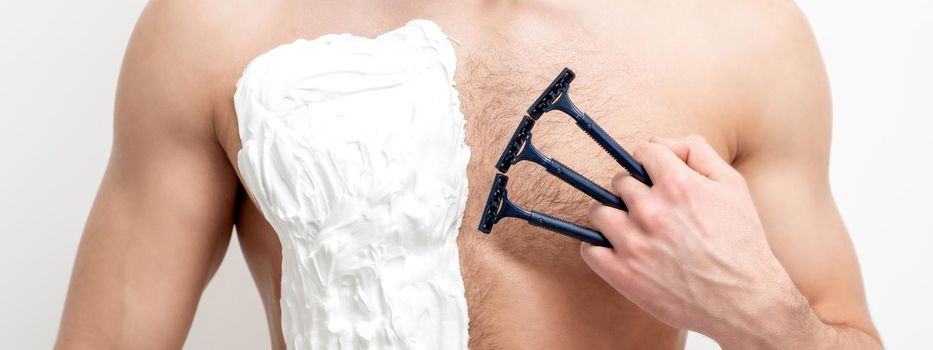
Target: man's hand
<point>692,251</point>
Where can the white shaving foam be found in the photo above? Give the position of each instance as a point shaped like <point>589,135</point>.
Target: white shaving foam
<point>353,148</point>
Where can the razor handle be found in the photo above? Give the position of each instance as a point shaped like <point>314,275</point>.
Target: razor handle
<point>583,184</point>
<point>614,149</point>
<point>568,229</point>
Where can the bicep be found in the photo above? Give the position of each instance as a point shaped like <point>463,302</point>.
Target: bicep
<point>163,215</point>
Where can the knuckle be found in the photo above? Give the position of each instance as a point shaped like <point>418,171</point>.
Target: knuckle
<point>638,249</point>
<point>650,213</point>
<point>654,147</point>
<point>588,253</point>
<point>619,178</point>
<point>737,177</point>
<point>679,185</point>
<point>596,214</point>
<point>640,150</point>
<point>593,208</point>
<point>645,150</point>
<point>696,139</point>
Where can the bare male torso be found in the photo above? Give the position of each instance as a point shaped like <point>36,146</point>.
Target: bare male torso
<point>644,68</point>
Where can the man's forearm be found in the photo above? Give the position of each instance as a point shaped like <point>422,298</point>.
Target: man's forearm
<point>786,321</point>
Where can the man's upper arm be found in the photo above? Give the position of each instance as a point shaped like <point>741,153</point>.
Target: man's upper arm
<point>783,152</point>
<point>163,215</point>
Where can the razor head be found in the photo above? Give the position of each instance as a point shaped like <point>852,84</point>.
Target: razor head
<point>493,204</point>
<point>515,145</point>
<point>550,95</point>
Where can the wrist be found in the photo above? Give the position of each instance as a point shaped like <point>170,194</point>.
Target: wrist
<point>777,317</point>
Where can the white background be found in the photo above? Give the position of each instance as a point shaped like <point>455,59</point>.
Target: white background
<point>59,62</point>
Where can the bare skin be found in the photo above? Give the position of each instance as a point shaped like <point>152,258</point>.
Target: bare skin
<point>691,251</point>
<point>745,75</point>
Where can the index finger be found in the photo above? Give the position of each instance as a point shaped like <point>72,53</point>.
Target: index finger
<point>660,162</point>
<point>698,154</point>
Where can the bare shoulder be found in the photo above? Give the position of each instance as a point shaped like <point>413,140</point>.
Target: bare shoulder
<point>761,26</point>
<point>775,63</point>
<point>204,40</point>
<point>183,61</point>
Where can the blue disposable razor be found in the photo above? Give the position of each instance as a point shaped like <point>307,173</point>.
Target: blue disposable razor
<point>520,147</point>
<point>499,206</point>
<point>557,96</point>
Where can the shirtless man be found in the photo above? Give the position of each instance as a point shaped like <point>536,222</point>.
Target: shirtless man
<point>746,75</point>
